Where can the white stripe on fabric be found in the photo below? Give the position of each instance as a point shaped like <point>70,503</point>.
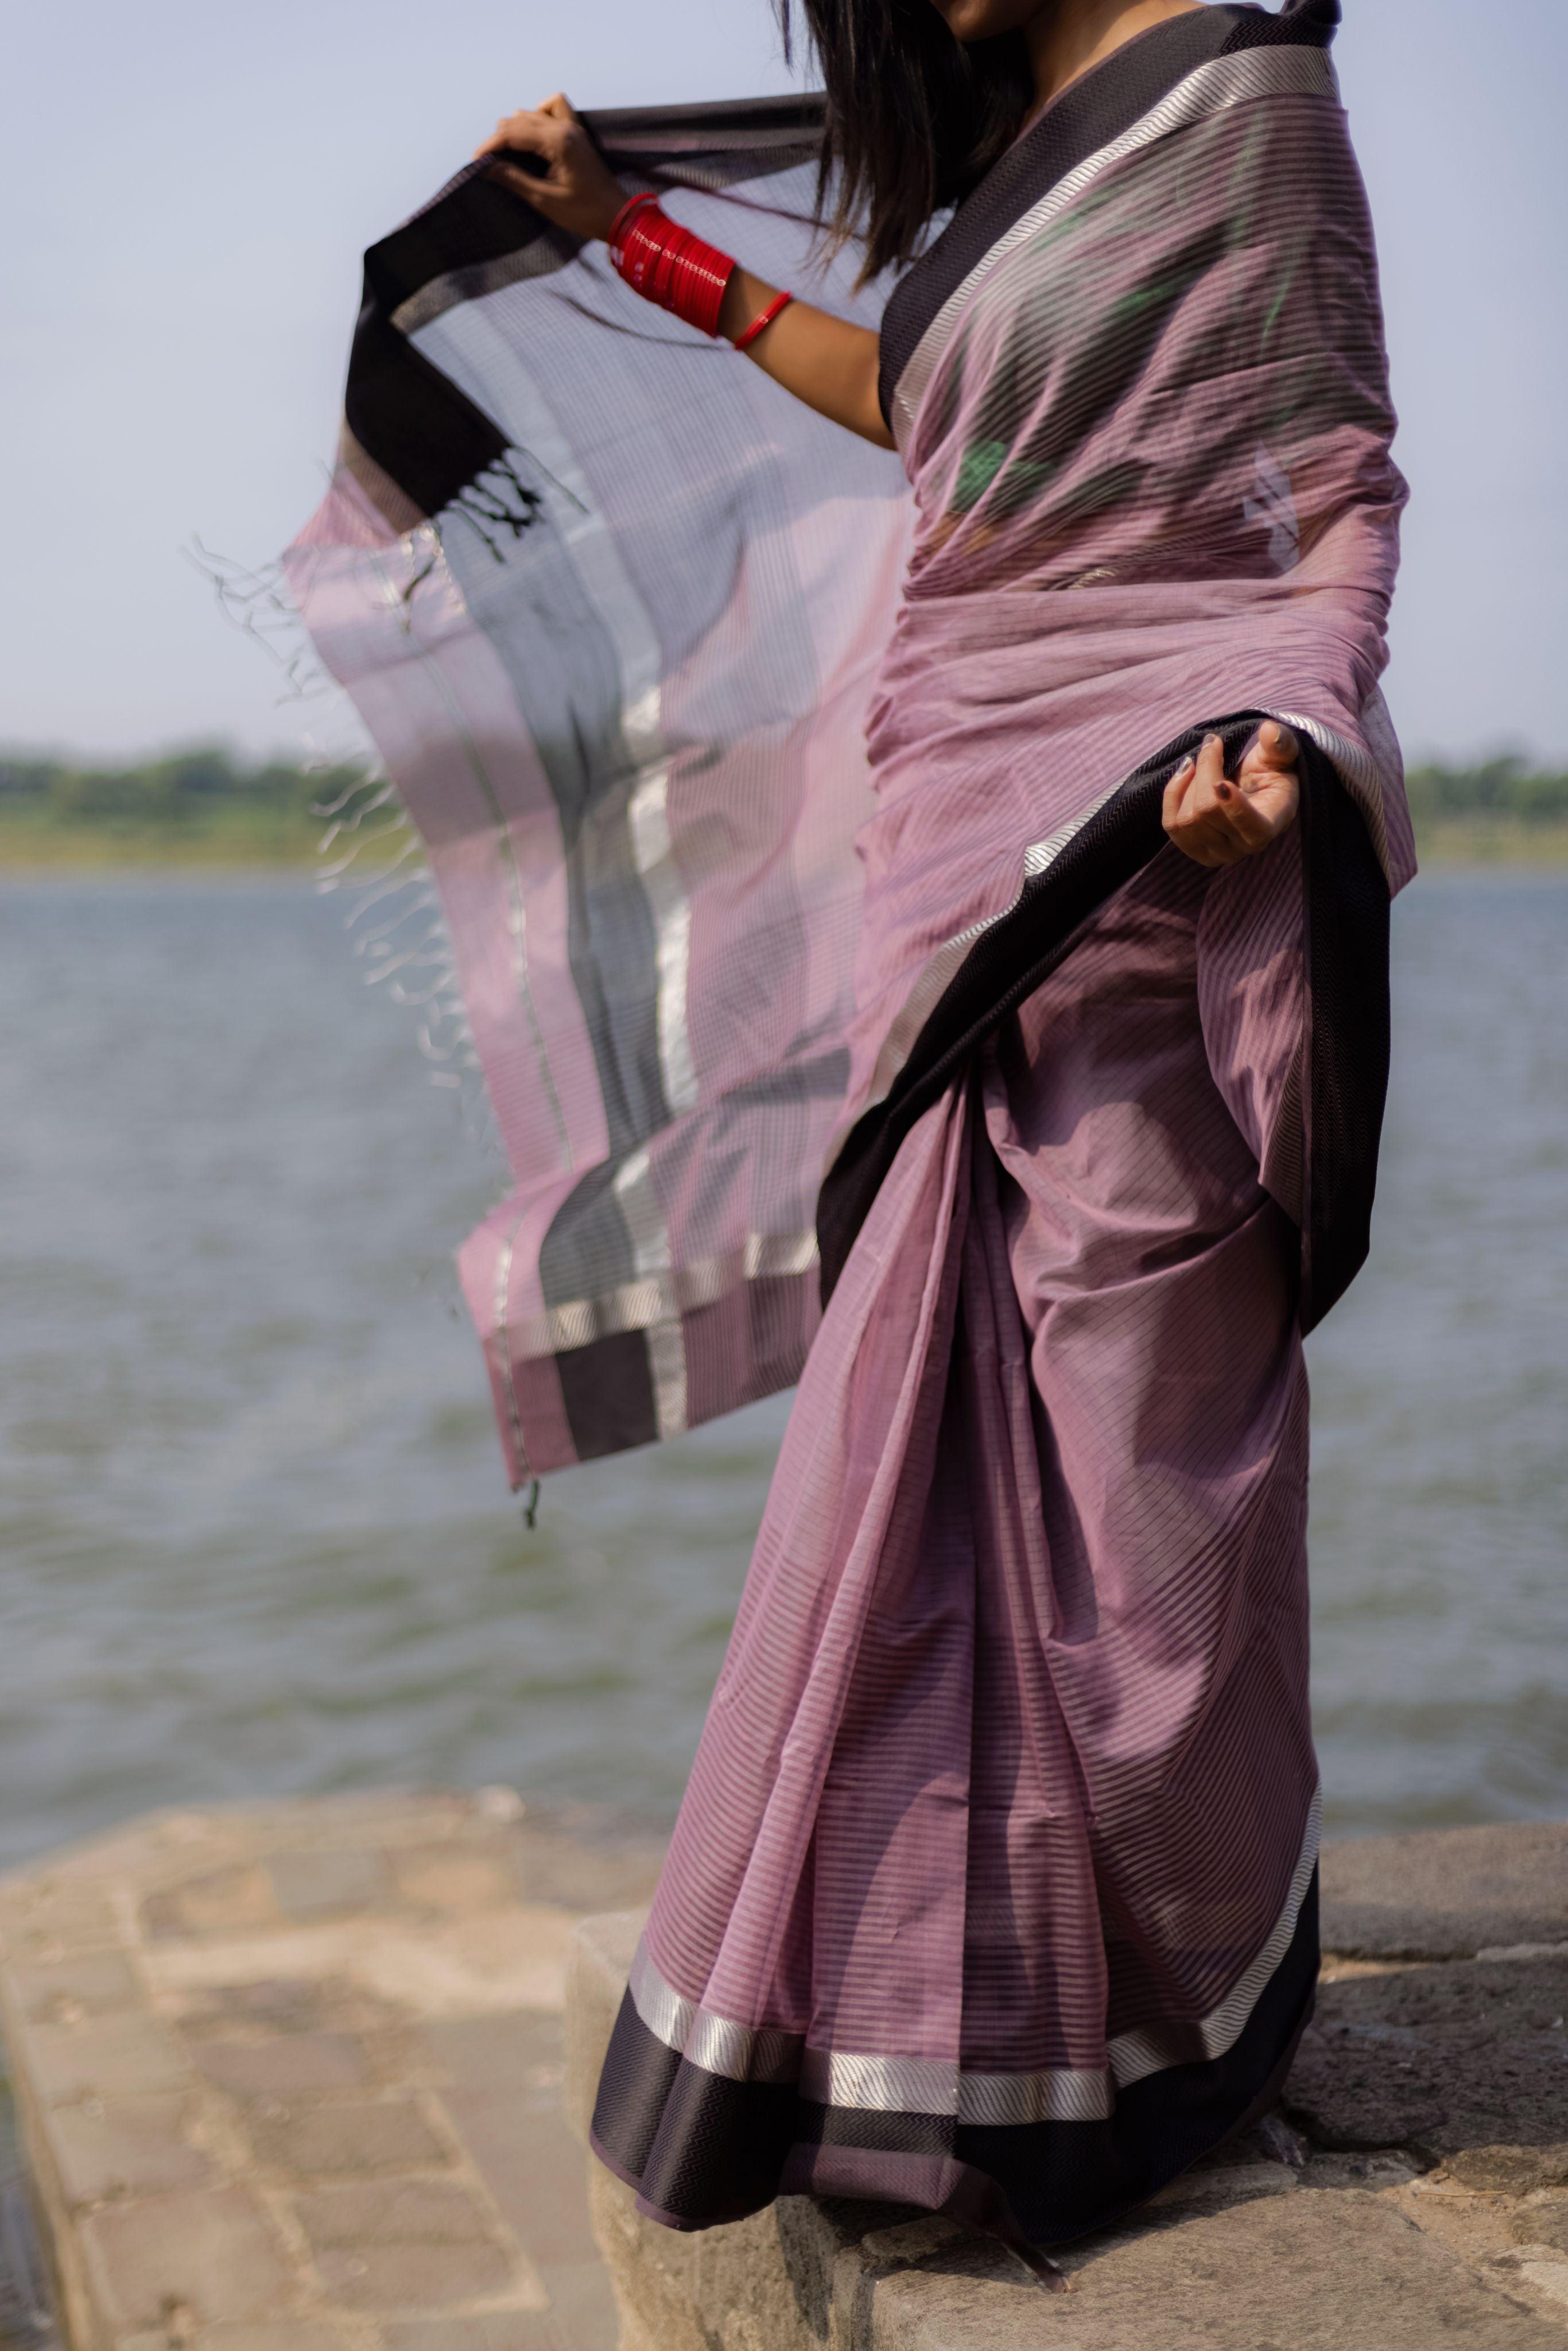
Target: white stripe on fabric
<point>1018,2099</point>
<point>648,821</point>
<point>738,2052</point>
<point>648,816</point>
<point>1286,72</point>
<point>664,1296</point>
<point>915,2086</point>
<point>667,2015</point>
<point>430,572</point>
<point>500,1302</point>
<point>1134,2055</point>
<point>467,346</point>
<point>649,1238</point>
<point>1359,769</point>
<point>1040,855</point>
<point>879,2086</point>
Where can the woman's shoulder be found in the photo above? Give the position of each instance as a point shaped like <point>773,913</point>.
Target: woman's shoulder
<point>1103,106</point>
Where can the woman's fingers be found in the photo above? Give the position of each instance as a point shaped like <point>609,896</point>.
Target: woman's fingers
<point>517,136</point>
<point>540,187</point>
<point>1176,790</point>
<point>1196,795</point>
<point>1215,822</point>
<point>1272,749</point>
<point>541,131</point>
<point>1212,784</point>
<point>1273,803</point>
<point>575,189</point>
<point>1270,779</point>
<point>512,130</point>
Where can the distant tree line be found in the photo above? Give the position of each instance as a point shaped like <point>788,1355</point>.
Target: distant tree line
<point>190,783</point>
<point>183,785</point>
<point>1504,786</point>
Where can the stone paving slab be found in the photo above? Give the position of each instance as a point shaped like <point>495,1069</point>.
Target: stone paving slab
<point>289,2077</point>
<point>1417,2197</point>
<point>1451,1894</point>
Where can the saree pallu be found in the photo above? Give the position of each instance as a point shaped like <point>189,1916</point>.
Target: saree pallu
<point>796,815</point>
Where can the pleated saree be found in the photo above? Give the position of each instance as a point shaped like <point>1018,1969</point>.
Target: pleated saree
<point>795,813</point>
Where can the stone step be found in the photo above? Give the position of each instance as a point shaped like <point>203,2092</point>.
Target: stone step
<point>288,2077</point>
<point>1431,2208</point>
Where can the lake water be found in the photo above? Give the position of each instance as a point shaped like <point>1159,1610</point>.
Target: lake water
<point>253,1533</point>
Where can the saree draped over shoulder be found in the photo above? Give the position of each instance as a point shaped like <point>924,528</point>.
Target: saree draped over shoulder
<point>795,812</point>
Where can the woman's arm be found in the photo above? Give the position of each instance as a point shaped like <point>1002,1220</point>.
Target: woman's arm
<point>824,361</point>
<point>832,368</point>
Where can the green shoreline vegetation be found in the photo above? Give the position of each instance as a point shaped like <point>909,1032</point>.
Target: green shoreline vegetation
<point>204,807</point>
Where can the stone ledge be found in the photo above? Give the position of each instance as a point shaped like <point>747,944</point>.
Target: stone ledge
<point>293,2078</point>
<point>1431,2205</point>
<point>1453,1894</point>
<point>288,2077</point>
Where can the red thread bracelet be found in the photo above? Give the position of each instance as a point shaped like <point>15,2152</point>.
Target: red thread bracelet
<point>763,318</point>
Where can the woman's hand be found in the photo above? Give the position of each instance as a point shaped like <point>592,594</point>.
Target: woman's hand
<point>824,361</point>
<point>1217,822</point>
<point>576,190</point>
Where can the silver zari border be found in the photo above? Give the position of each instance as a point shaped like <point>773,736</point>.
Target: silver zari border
<point>663,1295</point>
<point>1286,72</point>
<point>739,2052</point>
<point>913,2085</point>
<point>1359,772</point>
<point>1134,2055</point>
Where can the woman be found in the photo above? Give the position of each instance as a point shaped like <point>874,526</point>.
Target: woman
<point>994,1887</point>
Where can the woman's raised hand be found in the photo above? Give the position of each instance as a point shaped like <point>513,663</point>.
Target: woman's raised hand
<point>823,361</point>
<point>1215,822</point>
<point>576,189</point>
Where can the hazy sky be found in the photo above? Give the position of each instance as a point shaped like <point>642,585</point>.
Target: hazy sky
<point>189,184</point>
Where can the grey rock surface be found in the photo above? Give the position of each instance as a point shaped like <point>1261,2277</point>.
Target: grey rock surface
<point>1447,1895</point>
<point>289,2077</point>
<point>1441,2058</point>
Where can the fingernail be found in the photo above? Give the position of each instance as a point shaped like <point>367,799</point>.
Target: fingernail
<point>1210,740</point>
<point>1187,765</point>
<point>1222,791</point>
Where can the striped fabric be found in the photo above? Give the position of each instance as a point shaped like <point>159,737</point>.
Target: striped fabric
<point>610,605</point>
<point>795,810</point>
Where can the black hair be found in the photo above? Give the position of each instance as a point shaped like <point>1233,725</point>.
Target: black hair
<point>915,118</point>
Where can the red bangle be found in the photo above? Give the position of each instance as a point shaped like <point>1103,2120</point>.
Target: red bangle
<point>632,205</point>
<point>763,318</point>
<point>669,265</point>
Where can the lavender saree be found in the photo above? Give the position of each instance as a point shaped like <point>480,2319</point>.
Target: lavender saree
<point>795,812</point>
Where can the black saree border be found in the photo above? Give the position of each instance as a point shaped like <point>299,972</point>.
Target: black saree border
<point>607,1392</point>
<point>1345,942</point>
<point>700,2150</point>
<point>1090,113</point>
<point>1345,939</point>
<point>424,434</point>
<point>1103,105</point>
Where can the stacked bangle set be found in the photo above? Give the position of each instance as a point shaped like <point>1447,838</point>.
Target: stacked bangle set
<point>667,265</point>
